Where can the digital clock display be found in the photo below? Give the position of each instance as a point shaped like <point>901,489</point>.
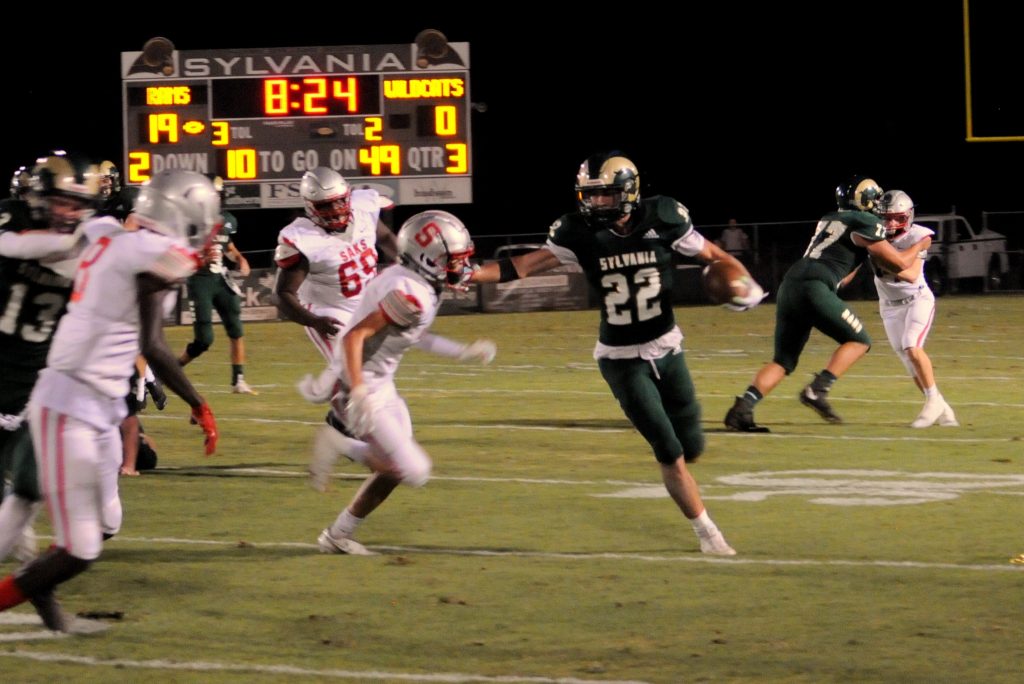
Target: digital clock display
<point>380,115</point>
<point>296,96</point>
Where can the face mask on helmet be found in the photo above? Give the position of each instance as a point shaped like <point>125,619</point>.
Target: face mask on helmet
<point>896,210</point>
<point>607,188</point>
<point>436,245</point>
<point>180,204</point>
<point>326,197</point>
<point>859,194</point>
<point>63,191</point>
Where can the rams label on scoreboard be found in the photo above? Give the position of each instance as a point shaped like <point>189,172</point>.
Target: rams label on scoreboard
<point>381,115</point>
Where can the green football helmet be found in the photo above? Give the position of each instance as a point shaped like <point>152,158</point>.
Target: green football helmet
<point>63,190</point>
<point>607,174</point>
<point>20,183</point>
<point>859,193</point>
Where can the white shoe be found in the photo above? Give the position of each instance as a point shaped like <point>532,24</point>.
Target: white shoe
<point>326,450</point>
<point>320,389</point>
<point>242,387</point>
<point>715,545</point>
<point>351,547</point>
<point>947,418</point>
<point>930,413</point>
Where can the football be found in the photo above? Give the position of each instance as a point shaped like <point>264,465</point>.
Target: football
<point>723,280</point>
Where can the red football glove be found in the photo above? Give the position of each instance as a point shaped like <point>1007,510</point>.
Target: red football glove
<point>203,417</point>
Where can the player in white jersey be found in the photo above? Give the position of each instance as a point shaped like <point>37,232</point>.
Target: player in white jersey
<point>394,314</point>
<point>907,305</point>
<point>78,403</point>
<point>326,258</point>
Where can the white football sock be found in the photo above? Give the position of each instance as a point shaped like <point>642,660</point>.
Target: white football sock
<point>345,525</point>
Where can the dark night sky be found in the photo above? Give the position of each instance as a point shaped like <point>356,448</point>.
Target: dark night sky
<point>755,114</point>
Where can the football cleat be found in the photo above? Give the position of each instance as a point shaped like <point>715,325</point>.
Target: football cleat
<point>53,616</point>
<point>242,387</point>
<point>328,445</point>
<point>715,545</point>
<point>351,547</point>
<point>947,418</point>
<point>930,413</point>
<point>818,401</point>
<point>741,417</point>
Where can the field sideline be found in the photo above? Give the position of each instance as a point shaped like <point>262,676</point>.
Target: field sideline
<point>545,549</point>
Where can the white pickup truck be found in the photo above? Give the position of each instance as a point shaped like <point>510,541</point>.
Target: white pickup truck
<point>959,251</point>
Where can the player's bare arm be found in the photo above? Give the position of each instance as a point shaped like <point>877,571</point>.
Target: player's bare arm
<point>154,344</point>
<point>848,278</point>
<point>288,303</point>
<point>387,245</point>
<point>235,257</point>
<point>353,345</point>
<point>521,266</point>
<point>713,252</point>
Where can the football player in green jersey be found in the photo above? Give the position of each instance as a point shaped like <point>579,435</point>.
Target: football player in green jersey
<point>39,249</point>
<point>625,245</point>
<point>211,288</point>
<point>807,300</point>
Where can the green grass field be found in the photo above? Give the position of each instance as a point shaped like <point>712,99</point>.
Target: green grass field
<point>545,550</point>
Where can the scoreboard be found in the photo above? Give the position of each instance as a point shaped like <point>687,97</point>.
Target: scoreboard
<point>384,116</point>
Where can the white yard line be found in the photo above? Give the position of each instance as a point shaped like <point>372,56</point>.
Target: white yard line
<point>511,427</point>
<point>376,675</point>
<point>640,557</point>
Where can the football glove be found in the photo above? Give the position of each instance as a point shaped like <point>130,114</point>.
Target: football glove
<point>479,351</point>
<point>319,389</point>
<point>753,297</point>
<point>203,417</point>
<point>359,410</point>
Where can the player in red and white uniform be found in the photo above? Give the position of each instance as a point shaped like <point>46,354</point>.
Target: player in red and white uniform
<point>326,258</point>
<point>78,403</point>
<point>907,305</point>
<point>395,313</point>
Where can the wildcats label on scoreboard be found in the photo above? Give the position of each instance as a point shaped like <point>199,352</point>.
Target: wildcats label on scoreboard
<point>397,116</point>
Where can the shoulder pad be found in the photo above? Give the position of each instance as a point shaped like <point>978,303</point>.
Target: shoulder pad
<point>230,223</point>
<point>670,211</point>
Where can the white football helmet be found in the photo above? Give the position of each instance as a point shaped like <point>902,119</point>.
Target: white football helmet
<point>180,204</point>
<point>896,210</point>
<point>436,245</point>
<point>326,196</point>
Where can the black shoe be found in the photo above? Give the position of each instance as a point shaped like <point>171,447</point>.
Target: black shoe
<point>741,417</point>
<point>49,610</point>
<point>818,401</point>
<point>156,390</point>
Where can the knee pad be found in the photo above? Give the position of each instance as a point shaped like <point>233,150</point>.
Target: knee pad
<point>196,347</point>
<point>415,469</point>
<point>233,328</point>
<point>416,476</point>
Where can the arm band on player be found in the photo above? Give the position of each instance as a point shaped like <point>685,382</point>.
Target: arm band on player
<point>507,270</point>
